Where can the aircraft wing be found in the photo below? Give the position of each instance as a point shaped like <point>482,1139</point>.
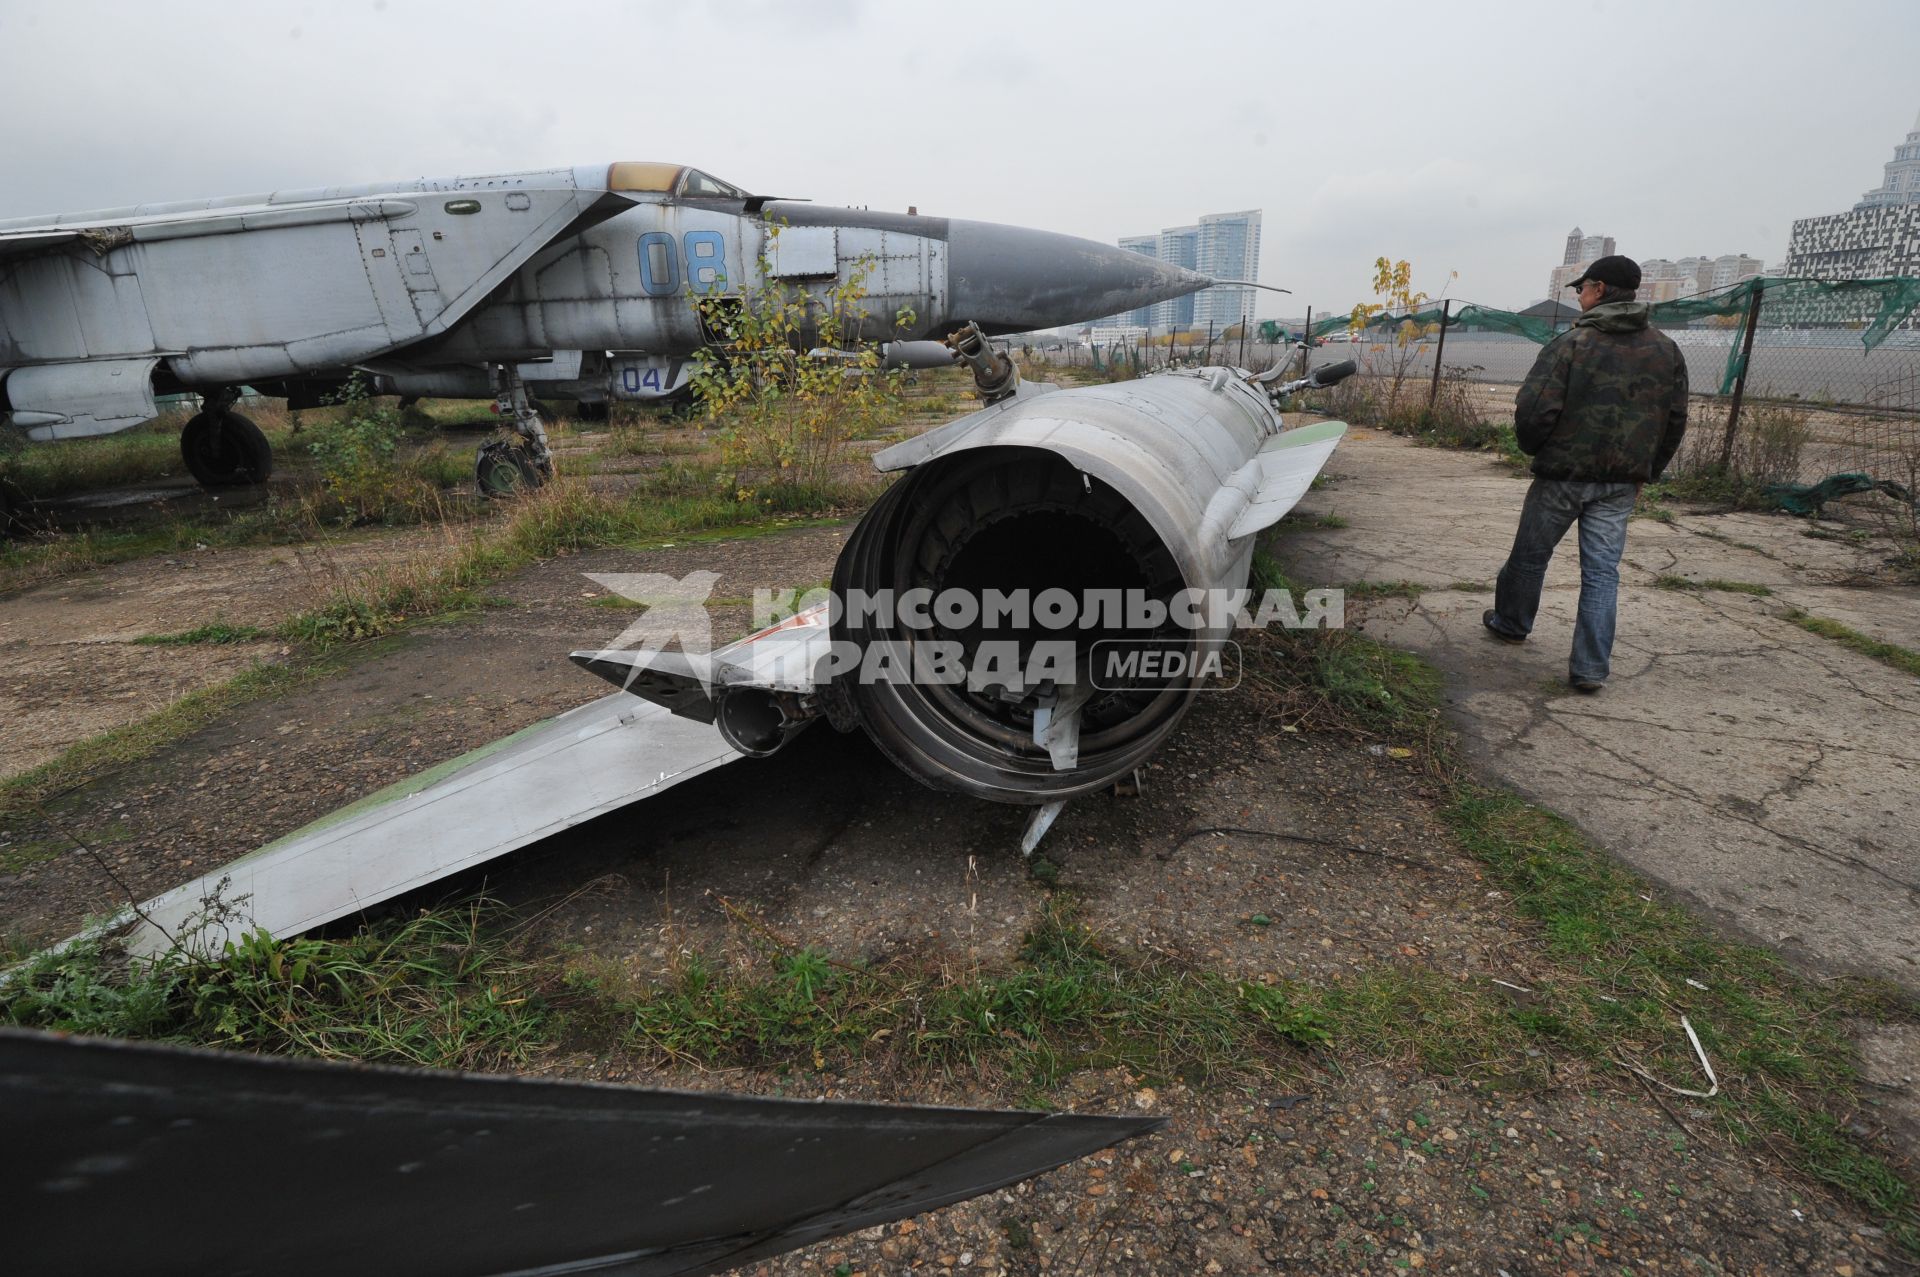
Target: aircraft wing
<point>18,243</point>
<point>222,1163</point>
<point>277,288</point>
<point>549,777</point>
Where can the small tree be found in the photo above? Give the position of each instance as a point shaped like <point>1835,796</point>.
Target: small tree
<point>355,452</point>
<point>790,379</point>
<point>1393,285</point>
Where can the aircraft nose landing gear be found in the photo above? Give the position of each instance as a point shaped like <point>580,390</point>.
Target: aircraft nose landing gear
<point>223,449</point>
<point>504,468</point>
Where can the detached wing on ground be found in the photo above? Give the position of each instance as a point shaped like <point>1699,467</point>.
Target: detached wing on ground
<point>128,1157</point>
<point>549,777</point>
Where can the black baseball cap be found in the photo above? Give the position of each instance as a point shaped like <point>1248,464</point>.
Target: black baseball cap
<point>1621,272</point>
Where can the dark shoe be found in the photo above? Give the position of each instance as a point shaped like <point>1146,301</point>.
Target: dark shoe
<point>1585,686</point>
<point>1490,619</point>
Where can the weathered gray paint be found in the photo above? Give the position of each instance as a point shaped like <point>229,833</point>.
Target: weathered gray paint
<point>433,278</point>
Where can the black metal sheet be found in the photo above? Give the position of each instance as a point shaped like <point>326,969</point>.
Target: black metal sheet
<point>134,1157</point>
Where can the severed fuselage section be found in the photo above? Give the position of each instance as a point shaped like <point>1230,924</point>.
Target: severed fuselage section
<point>1143,492</point>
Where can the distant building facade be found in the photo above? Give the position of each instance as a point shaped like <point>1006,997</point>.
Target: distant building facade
<point>1879,237</point>
<point>1224,245</point>
<point>1179,246</point>
<point>1901,182</point>
<point>1146,246</point>
<point>1583,248</point>
<point>1229,249</point>
<point>1582,251</point>
<point>1660,280</point>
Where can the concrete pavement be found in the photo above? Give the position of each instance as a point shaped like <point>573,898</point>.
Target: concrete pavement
<point>1768,775</point>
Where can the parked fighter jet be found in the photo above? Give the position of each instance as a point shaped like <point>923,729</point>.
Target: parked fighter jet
<point>576,282</point>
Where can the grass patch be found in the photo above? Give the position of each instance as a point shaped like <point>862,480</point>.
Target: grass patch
<point>1626,966</point>
<point>64,466</point>
<point>1383,589</point>
<point>1335,679</point>
<point>213,632</point>
<point>1068,1002</point>
<point>31,561</point>
<point>1904,659</point>
<point>1668,581</point>
<point>443,989</point>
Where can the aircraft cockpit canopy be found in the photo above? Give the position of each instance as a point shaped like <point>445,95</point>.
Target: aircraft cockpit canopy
<point>679,180</point>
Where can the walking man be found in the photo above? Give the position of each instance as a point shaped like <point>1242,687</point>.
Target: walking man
<point>1601,413</point>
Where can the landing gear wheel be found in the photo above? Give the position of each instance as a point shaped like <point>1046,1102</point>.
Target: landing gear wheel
<point>224,449</point>
<point>505,470</point>
<point>584,411</point>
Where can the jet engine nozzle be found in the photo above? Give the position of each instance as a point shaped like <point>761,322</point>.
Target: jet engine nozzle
<point>756,721</point>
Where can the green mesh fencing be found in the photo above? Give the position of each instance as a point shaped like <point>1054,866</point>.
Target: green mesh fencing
<point>1872,307</point>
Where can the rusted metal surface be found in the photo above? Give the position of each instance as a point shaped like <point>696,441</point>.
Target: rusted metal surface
<point>130,1157</point>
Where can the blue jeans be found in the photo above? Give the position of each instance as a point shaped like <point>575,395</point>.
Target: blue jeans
<point>1552,507</point>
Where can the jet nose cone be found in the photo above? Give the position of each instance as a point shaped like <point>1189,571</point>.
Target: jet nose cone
<point>1009,279</point>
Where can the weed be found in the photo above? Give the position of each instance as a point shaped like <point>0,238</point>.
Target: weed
<point>1766,451</point>
<point>1904,659</point>
<point>1383,589</point>
<point>441,989</point>
<point>1668,581</point>
<point>1336,679</point>
<point>1068,1003</point>
<point>783,416</point>
<point>215,632</point>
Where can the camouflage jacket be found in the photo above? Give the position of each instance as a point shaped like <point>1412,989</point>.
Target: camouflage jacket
<point>1606,401</point>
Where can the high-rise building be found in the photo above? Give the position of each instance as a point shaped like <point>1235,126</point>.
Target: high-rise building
<point>1901,184</point>
<point>1147,246</point>
<point>1179,245</point>
<point>1880,237</point>
<point>1581,252</point>
<point>1583,248</point>
<point>1229,249</point>
<point>1662,280</point>
<point>1223,245</point>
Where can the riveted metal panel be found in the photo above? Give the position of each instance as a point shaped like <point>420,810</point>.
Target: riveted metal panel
<point>805,252</point>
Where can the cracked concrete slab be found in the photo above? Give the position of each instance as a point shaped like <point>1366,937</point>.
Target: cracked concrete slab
<point>1770,776</point>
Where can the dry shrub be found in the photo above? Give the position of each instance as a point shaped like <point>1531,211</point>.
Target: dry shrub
<point>1767,448</point>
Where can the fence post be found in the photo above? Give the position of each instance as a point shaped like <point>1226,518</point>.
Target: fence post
<point>1306,341</point>
<point>1433,391</point>
<point>1740,381</point>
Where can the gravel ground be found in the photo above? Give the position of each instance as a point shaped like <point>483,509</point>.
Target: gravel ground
<point>1364,1165</point>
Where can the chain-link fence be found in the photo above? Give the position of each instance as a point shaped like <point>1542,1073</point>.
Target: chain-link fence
<point>1805,382</point>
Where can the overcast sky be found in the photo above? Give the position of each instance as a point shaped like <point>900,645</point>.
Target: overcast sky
<point>1462,136</point>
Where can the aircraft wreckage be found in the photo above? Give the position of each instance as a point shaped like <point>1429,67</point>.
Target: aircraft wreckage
<point>1149,489</point>
<point>135,1157</point>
